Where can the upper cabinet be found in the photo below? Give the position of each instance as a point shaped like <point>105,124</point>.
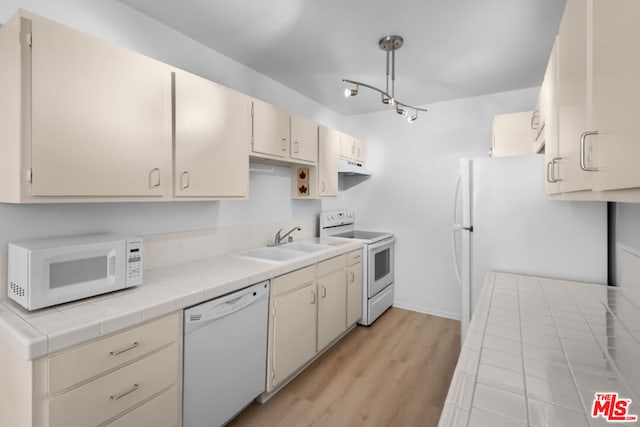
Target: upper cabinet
<point>547,134</point>
<point>351,148</point>
<point>512,134</point>
<point>278,135</point>
<point>212,128</point>
<point>83,117</point>
<point>328,153</point>
<point>270,131</point>
<point>595,94</point>
<point>611,147</point>
<point>304,140</point>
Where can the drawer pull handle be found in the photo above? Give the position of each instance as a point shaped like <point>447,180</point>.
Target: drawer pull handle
<point>124,393</point>
<point>131,347</point>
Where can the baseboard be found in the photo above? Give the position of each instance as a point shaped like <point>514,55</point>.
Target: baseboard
<point>424,310</point>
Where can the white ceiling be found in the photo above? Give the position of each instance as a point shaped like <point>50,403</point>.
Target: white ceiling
<point>452,48</point>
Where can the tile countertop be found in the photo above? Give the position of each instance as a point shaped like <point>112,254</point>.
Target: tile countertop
<point>539,349</point>
<point>165,290</point>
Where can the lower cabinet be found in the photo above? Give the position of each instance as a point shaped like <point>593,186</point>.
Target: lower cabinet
<point>309,309</point>
<point>132,378</point>
<point>354,287</point>
<point>292,324</point>
<point>332,300</point>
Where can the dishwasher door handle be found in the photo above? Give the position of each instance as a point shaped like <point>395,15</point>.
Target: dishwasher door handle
<point>227,305</point>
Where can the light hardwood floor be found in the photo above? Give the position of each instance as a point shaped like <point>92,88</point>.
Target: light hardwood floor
<point>394,373</point>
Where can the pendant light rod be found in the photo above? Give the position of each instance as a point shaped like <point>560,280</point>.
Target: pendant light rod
<point>389,44</point>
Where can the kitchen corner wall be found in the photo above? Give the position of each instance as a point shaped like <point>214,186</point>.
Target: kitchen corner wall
<point>411,191</point>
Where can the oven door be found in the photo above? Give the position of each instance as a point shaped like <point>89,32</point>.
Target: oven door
<point>380,266</point>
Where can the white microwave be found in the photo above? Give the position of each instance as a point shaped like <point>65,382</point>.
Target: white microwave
<point>43,273</point>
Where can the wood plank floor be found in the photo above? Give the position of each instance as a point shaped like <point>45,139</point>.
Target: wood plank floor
<point>394,373</point>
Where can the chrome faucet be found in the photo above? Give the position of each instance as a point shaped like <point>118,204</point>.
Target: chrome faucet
<point>278,239</point>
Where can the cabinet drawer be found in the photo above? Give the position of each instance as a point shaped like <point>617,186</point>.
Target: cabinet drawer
<point>292,280</point>
<point>161,411</point>
<point>354,257</point>
<point>83,363</point>
<point>331,265</point>
<point>106,397</point>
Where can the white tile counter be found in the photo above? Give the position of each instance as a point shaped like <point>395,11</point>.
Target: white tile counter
<point>537,351</point>
<point>165,290</point>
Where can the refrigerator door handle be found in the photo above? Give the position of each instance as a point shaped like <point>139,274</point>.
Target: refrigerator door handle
<point>455,255</point>
<point>456,227</point>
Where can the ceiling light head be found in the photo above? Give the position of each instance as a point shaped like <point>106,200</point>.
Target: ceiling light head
<point>401,111</point>
<point>385,99</point>
<point>412,118</point>
<point>350,92</point>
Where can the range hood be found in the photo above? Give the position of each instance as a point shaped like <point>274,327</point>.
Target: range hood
<point>350,167</point>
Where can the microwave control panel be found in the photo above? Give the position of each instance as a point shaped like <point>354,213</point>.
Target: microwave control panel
<point>134,262</point>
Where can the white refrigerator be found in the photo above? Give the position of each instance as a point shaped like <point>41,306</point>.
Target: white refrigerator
<point>503,221</point>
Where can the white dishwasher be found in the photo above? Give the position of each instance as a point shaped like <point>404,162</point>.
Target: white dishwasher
<point>225,356</point>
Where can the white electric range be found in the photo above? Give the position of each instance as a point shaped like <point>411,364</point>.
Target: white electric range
<point>377,261</point>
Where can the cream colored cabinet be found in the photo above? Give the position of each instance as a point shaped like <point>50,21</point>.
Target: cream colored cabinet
<point>80,118</point>
<point>328,154</point>
<point>292,324</point>
<point>512,134</point>
<point>270,132</point>
<point>572,97</point>
<point>212,128</point>
<point>100,119</point>
<point>332,305</point>
<point>354,287</point>
<point>158,412</point>
<point>548,122</point>
<point>351,148</point>
<point>613,92</point>
<point>99,382</point>
<point>304,140</point>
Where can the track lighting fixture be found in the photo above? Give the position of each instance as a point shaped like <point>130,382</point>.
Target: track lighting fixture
<point>389,44</point>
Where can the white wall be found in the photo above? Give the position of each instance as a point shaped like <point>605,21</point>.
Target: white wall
<point>411,191</point>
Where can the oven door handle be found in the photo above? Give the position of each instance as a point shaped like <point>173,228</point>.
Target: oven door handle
<point>381,244</point>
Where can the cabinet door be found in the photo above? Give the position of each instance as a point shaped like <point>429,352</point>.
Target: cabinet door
<point>549,120</point>
<point>614,92</point>
<point>328,154</point>
<point>332,307</point>
<point>359,150</point>
<point>101,117</point>
<point>512,134</point>
<point>293,319</point>
<point>211,139</point>
<point>347,146</point>
<point>354,293</point>
<point>572,100</point>
<point>270,130</point>
<point>304,139</point>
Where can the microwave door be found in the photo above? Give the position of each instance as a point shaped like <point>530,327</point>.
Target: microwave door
<point>68,274</point>
<point>380,265</point>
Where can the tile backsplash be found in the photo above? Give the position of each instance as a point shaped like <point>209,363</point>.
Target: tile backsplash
<point>161,250</point>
